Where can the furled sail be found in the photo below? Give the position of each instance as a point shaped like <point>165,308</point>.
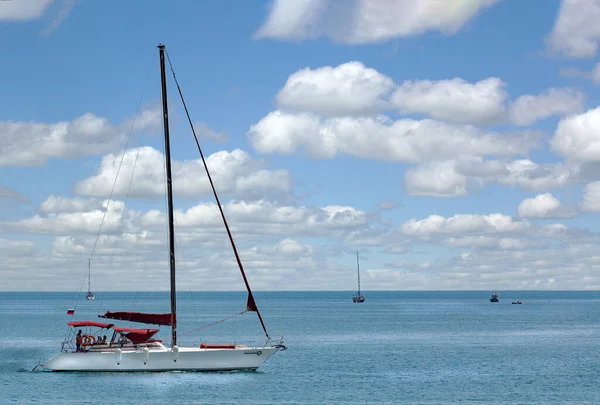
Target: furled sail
<point>156,319</point>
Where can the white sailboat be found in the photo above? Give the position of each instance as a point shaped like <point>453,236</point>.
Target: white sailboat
<point>136,349</point>
<point>358,297</point>
<point>90,295</point>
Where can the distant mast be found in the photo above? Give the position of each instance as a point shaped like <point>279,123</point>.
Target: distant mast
<point>358,271</point>
<point>358,297</point>
<point>90,295</point>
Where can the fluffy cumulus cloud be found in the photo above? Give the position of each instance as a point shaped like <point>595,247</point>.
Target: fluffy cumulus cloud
<point>456,177</point>
<point>141,174</point>
<point>463,224</point>
<point>33,143</point>
<point>348,89</point>
<point>274,242</point>
<point>354,89</point>
<point>576,33</point>
<point>528,109</point>
<point>288,247</point>
<point>577,137</point>
<point>381,138</point>
<point>65,216</point>
<point>365,21</point>
<point>494,249</point>
<point>437,179</point>
<point>453,100</point>
<point>591,197</point>
<point>545,206</point>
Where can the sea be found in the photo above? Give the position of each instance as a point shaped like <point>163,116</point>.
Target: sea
<point>398,347</point>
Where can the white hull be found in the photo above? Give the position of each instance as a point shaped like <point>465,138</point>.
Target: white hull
<point>163,359</point>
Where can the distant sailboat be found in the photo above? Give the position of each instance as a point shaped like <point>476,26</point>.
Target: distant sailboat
<point>358,297</point>
<point>494,298</point>
<point>90,295</point>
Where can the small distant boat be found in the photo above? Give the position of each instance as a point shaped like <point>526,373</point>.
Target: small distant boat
<point>494,298</point>
<point>358,297</point>
<point>516,302</point>
<point>90,295</point>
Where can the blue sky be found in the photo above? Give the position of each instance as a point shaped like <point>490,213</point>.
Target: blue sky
<point>453,144</point>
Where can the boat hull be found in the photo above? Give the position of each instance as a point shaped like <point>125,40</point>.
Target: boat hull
<point>184,359</point>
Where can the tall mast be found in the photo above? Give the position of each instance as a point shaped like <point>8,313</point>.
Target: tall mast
<point>163,81</point>
<point>89,273</point>
<point>358,270</point>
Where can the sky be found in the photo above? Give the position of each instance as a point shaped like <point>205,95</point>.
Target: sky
<point>454,144</point>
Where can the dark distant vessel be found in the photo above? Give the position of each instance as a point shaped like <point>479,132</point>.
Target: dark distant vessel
<point>516,302</point>
<point>494,298</point>
<point>358,297</point>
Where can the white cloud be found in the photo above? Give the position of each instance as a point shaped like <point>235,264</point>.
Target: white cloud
<point>591,197</point>
<point>538,177</point>
<point>366,21</point>
<point>454,100</point>
<point>234,173</point>
<point>577,137</point>
<point>59,204</point>
<point>464,224</point>
<point>76,216</point>
<point>545,206</point>
<point>351,89</point>
<point>483,102</point>
<point>272,240</point>
<point>380,138</point>
<point>23,10</point>
<point>456,177</point>
<point>437,179</point>
<point>490,242</point>
<point>15,248</point>
<point>32,144</point>
<point>67,221</point>
<point>267,235</point>
<point>528,109</point>
<point>576,32</point>
<point>348,89</point>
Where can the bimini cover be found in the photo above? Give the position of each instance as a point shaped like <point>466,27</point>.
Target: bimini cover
<point>136,335</point>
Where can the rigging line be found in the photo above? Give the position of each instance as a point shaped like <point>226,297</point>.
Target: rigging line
<point>119,169</point>
<point>80,289</point>
<point>237,257</point>
<point>121,220</point>
<point>121,162</point>
<point>212,324</point>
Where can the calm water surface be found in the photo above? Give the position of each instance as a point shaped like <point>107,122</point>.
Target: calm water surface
<point>397,347</point>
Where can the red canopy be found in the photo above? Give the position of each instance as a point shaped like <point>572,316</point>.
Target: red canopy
<point>157,319</point>
<point>136,335</point>
<point>79,324</point>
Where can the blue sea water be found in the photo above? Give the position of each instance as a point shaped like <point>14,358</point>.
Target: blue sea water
<point>396,348</point>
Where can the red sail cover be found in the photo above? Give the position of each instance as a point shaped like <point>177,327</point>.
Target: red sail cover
<point>156,319</point>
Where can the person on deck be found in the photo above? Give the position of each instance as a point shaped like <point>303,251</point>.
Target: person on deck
<point>78,341</point>
<point>103,341</point>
